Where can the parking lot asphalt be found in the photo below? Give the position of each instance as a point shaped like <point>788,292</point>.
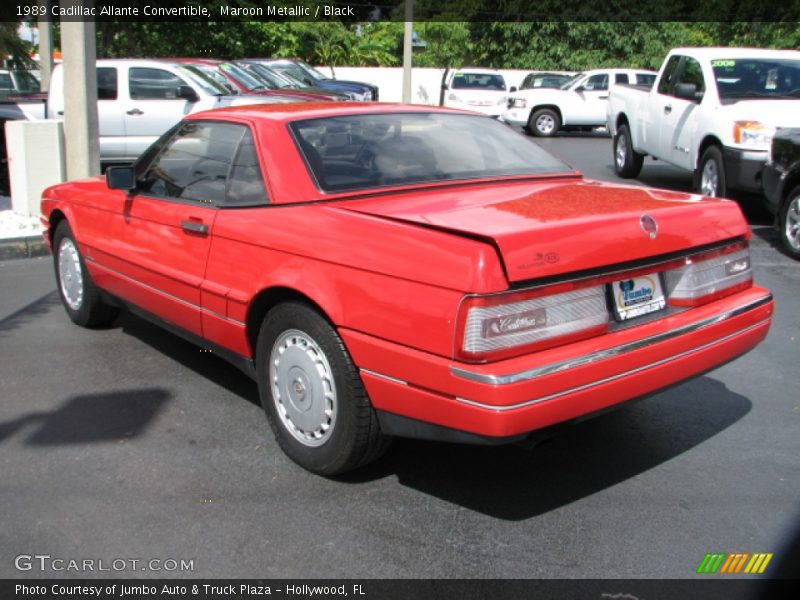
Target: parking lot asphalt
<point>129,443</point>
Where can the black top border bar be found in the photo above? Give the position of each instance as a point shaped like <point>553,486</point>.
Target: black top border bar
<point>394,10</point>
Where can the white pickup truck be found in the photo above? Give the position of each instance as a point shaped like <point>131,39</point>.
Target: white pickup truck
<point>580,103</point>
<point>712,112</point>
<point>137,101</point>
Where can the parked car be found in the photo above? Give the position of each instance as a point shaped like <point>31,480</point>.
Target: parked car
<point>396,270</point>
<point>711,112</point>
<point>545,79</point>
<point>782,187</point>
<point>278,81</point>
<point>137,101</point>
<point>580,103</point>
<point>16,81</point>
<point>239,81</point>
<point>480,90</point>
<point>305,74</point>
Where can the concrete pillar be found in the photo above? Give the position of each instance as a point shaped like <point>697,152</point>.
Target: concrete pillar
<point>407,38</point>
<point>80,97</point>
<point>45,45</point>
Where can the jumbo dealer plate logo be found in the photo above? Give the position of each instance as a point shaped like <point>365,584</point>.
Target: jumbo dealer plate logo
<point>638,296</point>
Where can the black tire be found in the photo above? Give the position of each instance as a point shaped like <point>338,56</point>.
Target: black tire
<point>298,400</point>
<point>627,162</point>
<point>789,224</point>
<point>544,123</point>
<point>710,178</point>
<point>81,298</point>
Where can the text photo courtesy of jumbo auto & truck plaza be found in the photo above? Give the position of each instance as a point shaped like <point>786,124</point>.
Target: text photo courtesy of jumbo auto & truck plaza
<point>302,339</point>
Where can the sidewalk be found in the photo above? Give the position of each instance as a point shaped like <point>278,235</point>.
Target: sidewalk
<point>20,236</point>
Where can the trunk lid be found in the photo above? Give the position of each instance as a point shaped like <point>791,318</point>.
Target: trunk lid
<point>543,229</point>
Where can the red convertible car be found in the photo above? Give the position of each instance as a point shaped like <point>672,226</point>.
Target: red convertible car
<point>389,270</point>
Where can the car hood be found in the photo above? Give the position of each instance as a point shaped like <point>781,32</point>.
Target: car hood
<point>773,113</point>
<point>549,228</point>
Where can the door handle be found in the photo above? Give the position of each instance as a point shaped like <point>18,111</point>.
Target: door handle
<point>603,97</point>
<point>134,111</point>
<point>194,227</point>
<point>668,109</point>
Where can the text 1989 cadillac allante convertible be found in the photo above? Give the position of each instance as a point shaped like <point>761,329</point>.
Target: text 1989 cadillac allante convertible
<point>388,270</point>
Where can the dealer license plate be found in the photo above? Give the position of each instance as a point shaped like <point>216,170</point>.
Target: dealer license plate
<point>637,296</point>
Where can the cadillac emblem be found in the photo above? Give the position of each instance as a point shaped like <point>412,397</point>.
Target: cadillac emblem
<point>649,226</point>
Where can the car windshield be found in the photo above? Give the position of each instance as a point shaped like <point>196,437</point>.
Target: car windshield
<point>206,82</point>
<point>275,80</point>
<point>212,73</point>
<point>311,70</point>
<point>744,78</point>
<point>249,80</point>
<point>357,152</point>
<point>478,81</point>
<point>292,71</point>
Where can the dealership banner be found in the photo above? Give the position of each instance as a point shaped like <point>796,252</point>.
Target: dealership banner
<point>395,10</point>
<point>405,589</point>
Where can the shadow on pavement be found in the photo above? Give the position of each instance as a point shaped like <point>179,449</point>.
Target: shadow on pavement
<point>29,313</point>
<point>513,483</point>
<point>91,418</point>
<point>192,357</point>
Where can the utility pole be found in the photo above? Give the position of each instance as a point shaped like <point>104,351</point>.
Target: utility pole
<point>81,129</point>
<point>407,39</point>
<point>45,45</point>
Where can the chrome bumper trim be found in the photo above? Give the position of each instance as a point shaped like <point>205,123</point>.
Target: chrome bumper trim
<point>608,353</point>
<point>580,388</point>
<point>382,376</point>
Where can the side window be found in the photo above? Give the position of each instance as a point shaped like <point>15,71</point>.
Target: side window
<point>667,81</point>
<point>106,83</point>
<point>693,73</point>
<point>153,84</point>
<point>245,184</point>
<point>621,78</point>
<point>195,164</point>
<point>645,79</point>
<point>596,83</point>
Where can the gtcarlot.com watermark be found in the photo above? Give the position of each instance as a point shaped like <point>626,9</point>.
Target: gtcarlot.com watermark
<point>46,562</point>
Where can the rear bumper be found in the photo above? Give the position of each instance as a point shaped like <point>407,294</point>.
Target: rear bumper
<point>517,396</point>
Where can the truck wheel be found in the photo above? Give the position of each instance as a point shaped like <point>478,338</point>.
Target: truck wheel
<point>79,295</point>
<point>312,393</point>
<point>627,162</point>
<point>544,123</point>
<point>789,224</point>
<point>711,174</point>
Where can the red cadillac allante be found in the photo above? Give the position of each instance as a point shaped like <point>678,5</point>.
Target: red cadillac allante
<point>389,270</point>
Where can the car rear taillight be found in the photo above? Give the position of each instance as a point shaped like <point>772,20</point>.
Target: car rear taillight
<point>509,324</point>
<point>709,276</point>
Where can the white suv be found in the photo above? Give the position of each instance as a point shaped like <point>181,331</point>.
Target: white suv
<point>481,90</point>
<point>580,103</point>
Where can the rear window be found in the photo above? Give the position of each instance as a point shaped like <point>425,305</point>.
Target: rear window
<point>357,152</point>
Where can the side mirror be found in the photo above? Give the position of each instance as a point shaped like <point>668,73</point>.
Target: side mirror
<point>688,91</point>
<point>120,178</point>
<point>188,94</point>
<point>580,88</point>
<point>512,89</point>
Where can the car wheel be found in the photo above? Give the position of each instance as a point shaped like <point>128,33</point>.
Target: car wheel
<point>789,224</point>
<point>80,296</point>
<point>312,393</point>
<point>544,123</point>
<point>711,179</point>
<point>627,162</point>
